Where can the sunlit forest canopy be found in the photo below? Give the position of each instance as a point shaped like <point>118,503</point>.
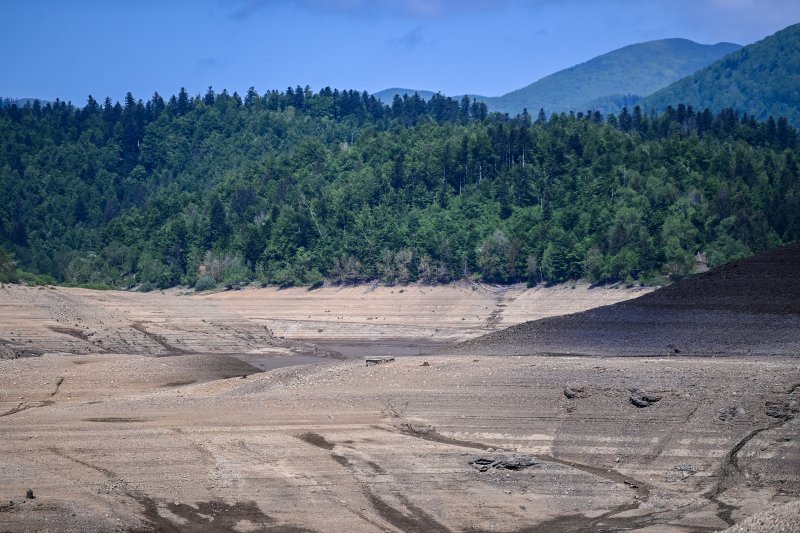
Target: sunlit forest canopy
<point>296,187</point>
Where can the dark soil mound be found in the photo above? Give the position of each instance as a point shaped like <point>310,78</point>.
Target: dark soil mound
<point>765,283</point>
<point>748,307</point>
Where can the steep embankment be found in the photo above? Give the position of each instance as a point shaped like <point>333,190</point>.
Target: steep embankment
<point>438,313</point>
<point>257,324</point>
<point>55,320</point>
<point>747,307</point>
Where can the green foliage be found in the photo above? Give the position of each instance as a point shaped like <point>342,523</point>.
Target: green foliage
<point>225,268</point>
<point>294,187</point>
<point>760,79</point>
<point>8,268</point>
<point>205,283</point>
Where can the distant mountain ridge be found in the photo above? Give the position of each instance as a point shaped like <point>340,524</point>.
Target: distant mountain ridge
<point>607,82</point>
<point>387,95</point>
<point>618,77</point>
<point>761,79</point>
<point>21,102</point>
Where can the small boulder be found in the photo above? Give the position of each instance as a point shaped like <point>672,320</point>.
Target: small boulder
<point>643,398</point>
<point>575,392</point>
<point>502,462</point>
<point>680,472</point>
<point>782,410</point>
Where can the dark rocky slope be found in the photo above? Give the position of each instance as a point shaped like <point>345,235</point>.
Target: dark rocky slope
<point>748,307</point>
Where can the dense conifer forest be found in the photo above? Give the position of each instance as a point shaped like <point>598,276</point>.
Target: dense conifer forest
<point>297,187</point>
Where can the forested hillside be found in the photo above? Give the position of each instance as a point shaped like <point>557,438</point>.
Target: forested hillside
<point>294,187</point>
<point>613,80</point>
<point>606,83</point>
<point>762,79</point>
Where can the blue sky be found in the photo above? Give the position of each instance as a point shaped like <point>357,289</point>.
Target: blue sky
<point>70,49</point>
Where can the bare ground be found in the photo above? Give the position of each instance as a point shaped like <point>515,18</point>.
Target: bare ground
<point>117,436</point>
<point>344,446</point>
<point>749,307</point>
<point>435,315</point>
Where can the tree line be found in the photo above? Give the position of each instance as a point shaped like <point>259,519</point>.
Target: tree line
<point>296,187</point>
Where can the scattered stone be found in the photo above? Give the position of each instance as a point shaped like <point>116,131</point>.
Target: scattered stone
<point>726,413</point>
<point>575,392</point>
<point>501,462</point>
<point>680,472</point>
<point>29,495</point>
<point>643,398</point>
<point>782,410</point>
<point>425,363</point>
<point>378,359</point>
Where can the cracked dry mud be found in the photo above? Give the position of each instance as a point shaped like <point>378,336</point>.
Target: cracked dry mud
<point>149,439</point>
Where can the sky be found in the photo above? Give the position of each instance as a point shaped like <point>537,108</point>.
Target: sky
<point>71,49</point>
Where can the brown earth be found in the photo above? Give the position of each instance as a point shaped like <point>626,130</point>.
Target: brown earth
<point>403,320</point>
<point>262,324</point>
<point>117,436</point>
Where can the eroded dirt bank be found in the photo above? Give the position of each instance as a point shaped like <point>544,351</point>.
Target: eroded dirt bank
<point>269,322</point>
<point>391,315</point>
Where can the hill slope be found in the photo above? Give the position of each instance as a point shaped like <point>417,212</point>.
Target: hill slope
<point>748,307</point>
<point>613,78</point>
<point>607,82</point>
<point>761,79</point>
<point>387,95</point>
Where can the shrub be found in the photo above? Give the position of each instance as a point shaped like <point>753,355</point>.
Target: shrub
<point>8,268</point>
<point>225,268</point>
<point>205,283</point>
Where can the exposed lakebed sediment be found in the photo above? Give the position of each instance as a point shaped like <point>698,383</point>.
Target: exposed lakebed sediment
<point>180,430</point>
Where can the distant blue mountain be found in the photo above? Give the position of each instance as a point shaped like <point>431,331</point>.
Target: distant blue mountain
<point>387,95</point>
<point>607,82</point>
<point>21,102</point>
